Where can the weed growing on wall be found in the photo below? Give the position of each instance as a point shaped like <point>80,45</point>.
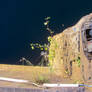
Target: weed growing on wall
<point>45,47</point>
<point>78,61</point>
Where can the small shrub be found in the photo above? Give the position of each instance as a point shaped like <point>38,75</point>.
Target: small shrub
<point>42,79</point>
<point>45,47</point>
<point>78,82</point>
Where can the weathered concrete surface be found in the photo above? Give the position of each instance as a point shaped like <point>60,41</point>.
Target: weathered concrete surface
<point>71,44</point>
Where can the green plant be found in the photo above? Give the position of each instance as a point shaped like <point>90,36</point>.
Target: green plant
<point>78,82</point>
<point>66,72</point>
<point>52,52</point>
<point>42,79</point>
<point>45,47</point>
<point>78,61</point>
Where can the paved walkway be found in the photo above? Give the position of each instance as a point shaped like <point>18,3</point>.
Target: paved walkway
<point>63,89</point>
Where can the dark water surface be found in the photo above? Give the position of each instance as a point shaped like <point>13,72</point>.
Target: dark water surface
<point>21,23</point>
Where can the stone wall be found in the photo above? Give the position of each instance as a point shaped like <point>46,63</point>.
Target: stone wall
<point>65,48</point>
